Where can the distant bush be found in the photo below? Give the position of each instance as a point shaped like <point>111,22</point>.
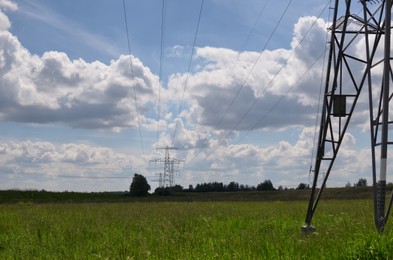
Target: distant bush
<point>161,191</point>
<point>303,186</point>
<point>361,183</point>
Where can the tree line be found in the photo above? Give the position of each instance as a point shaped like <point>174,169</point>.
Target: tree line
<point>140,187</point>
<point>267,185</point>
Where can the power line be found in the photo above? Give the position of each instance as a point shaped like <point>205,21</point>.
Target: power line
<point>253,66</point>
<point>271,108</point>
<point>163,23</point>
<point>270,84</point>
<point>132,76</point>
<point>240,51</point>
<point>254,26</point>
<point>245,44</point>
<point>188,71</point>
<point>276,75</point>
<point>281,98</point>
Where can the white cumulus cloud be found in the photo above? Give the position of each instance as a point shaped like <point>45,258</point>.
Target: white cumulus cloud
<point>54,89</point>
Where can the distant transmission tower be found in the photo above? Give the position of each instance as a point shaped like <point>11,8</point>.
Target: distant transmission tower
<point>167,179</point>
<point>369,30</point>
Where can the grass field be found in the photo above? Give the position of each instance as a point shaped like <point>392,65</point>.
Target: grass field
<point>191,230</point>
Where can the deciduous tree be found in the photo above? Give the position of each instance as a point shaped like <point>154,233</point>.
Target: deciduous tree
<point>139,186</point>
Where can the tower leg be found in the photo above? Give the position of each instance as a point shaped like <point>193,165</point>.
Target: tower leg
<point>380,221</point>
<point>380,218</point>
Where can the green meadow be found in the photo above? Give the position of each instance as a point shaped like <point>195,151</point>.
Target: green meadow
<point>191,230</point>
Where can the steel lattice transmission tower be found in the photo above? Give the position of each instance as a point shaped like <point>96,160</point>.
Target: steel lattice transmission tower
<point>167,179</point>
<point>349,72</point>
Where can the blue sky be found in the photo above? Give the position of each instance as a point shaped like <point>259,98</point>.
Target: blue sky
<point>244,111</point>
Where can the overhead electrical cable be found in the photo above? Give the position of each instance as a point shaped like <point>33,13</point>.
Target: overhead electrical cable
<point>264,116</point>
<point>239,53</point>
<point>253,28</point>
<point>188,72</point>
<point>271,108</point>
<point>163,23</point>
<point>269,85</point>
<point>132,77</point>
<point>253,66</point>
<point>281,98</point>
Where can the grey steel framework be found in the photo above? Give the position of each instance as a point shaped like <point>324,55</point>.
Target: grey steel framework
<point>348,73</point>
<point>167,179</point>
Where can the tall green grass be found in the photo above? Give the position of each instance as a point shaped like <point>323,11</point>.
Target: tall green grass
<point>191,230</point>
